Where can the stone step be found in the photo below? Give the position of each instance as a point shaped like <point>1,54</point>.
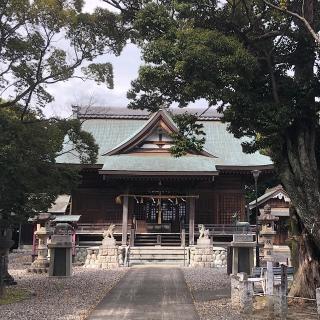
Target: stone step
<point>158,248</point>
<point>175,255</point>
<point>156,257</point>
<point>155,253</point>
<point>152,262</point>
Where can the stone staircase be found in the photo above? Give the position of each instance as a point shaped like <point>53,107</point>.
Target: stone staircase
<point>158,255</point>
<point>152,239</point>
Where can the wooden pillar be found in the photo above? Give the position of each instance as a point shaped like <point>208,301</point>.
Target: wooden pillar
<point>191,220</point>
<point>125,220</point>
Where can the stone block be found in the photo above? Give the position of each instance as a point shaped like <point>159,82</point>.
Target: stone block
<point>318,299</point>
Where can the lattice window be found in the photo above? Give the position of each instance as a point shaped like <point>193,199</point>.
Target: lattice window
<point>228,205</point>
<point>168,211</point>
<point>151,211</point>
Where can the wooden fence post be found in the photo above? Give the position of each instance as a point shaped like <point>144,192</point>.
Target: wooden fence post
<point>269,288</point>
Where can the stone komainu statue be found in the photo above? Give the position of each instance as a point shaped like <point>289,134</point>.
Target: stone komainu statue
<point>203,233</point>
<point>109,232</point>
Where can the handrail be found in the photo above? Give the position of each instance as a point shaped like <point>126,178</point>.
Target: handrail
<point>126,256</point>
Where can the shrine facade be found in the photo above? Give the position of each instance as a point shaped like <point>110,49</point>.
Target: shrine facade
<point>139,185</point>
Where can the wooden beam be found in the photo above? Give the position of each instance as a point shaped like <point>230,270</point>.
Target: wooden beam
<point>191,220</point>
<point>158,196</point>
<point>125,220</point>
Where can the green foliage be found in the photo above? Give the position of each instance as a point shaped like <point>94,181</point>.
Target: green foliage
<point>189,137</point>
<point>30,180</point>
<point>31,54</point>
<point>251,59</point>
<point>102,73</point>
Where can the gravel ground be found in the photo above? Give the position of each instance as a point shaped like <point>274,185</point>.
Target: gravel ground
<point>57,298</point>
<point>204,282</point>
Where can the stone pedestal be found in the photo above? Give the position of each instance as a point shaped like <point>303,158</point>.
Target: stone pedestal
<point>60,256</point>
<point>201,257</point>
<point>204,242</point>
<point>104,257</point>
<point>243,253</point>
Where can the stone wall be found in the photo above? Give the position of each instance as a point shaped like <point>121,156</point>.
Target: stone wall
<point>208,257</point>
<point>91,258</point>
<point>219,257</point>
<point>103,257</point>
<point>81,255</point>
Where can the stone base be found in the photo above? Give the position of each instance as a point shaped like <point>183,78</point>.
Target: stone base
<point>39,266</point>
<point>104,257</point>
<point>109,242</point>
<point>204,242</point>
<point>208,257</point>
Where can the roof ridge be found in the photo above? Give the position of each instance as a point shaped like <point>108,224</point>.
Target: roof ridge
<point>96,112</point>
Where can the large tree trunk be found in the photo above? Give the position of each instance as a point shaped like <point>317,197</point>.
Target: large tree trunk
<point>305,258</point>
<point>299,173</point>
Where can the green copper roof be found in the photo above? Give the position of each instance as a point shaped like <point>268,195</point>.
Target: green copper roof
<point>159,163</point>
<point>111,132</point>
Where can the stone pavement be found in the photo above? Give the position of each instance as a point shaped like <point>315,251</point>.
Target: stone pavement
<point>148,293</point>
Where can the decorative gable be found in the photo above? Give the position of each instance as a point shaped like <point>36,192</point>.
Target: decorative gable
<point>154,136</point>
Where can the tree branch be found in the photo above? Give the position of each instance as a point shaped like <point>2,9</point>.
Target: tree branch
<point>296,15</point>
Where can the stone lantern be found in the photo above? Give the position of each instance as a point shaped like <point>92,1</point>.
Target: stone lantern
<point>267,233</point>
<point>61,251</point>
<point>43,232</point>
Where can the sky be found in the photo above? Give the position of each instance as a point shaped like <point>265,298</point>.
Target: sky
<point>77,92</point>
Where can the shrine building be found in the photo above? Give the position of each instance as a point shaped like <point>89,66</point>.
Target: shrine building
<point>138,185</point>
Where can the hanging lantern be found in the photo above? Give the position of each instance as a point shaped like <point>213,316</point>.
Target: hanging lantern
<point>177,202</point>
<point>141,200</point>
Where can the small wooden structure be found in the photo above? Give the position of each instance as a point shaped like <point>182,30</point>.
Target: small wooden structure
<point>279,201</point>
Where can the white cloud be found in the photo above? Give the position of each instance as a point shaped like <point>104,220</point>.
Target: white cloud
<point>77,92</point>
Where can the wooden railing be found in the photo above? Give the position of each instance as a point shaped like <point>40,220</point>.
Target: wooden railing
<point>214,229</point>
<point>226,229</point>
<point>98,228</point>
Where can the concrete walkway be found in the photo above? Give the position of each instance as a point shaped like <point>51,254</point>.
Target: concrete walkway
<point>148,293</point>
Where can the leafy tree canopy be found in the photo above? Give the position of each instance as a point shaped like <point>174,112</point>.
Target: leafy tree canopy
<point>30,180</point>
<point>45,41</point>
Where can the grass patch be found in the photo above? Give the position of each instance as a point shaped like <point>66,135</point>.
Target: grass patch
<point>13,295</point>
